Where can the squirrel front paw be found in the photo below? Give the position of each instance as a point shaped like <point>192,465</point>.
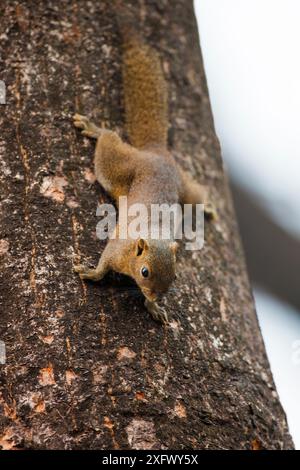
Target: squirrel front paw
<point>89,129</point>
<point>91,274</point>
<point>86,273</point>
<point>79,268</point>
<point>157,313</point>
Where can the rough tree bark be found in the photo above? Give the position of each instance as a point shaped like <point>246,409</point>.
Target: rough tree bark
<point>86,366</point>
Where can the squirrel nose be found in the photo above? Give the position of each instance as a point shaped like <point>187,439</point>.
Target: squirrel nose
<point>152,296</point>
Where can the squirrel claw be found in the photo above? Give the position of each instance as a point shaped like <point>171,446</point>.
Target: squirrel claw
<point>157,313</point>
<point>80,118</point>
<point>88,128</point>
<point>78,268</point>
<point>87,273</point>
<point>81,122</point>
<point>82,271</point>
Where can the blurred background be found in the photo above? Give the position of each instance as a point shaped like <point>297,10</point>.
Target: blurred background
<point>251,52</point>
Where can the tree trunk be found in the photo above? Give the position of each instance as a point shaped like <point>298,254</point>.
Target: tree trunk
<point>86,366</point>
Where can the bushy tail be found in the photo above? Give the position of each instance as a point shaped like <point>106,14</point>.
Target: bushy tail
<point>145,91</point>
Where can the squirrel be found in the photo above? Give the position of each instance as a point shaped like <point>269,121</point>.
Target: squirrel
<point>145,171</point>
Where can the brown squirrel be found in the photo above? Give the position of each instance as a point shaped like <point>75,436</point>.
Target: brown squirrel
<point>144,171</point>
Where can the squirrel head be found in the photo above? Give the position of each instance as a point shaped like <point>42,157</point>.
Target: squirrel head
<point>154,266</point>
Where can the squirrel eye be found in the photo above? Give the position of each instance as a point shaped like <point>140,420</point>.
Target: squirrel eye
<point>145,272</point>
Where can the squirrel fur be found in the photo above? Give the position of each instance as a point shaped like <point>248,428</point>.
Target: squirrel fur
<point>144,171</point>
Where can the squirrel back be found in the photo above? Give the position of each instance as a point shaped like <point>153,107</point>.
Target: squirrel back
<point>145,91</point>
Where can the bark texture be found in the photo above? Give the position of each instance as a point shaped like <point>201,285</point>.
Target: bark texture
<point>86,365</point>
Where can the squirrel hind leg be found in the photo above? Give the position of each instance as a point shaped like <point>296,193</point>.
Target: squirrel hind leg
<point>195,193</point>
<point>89,129</point>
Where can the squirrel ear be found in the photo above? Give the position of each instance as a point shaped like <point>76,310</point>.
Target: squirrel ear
<point>141,245</point>
<point>174,247</point>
